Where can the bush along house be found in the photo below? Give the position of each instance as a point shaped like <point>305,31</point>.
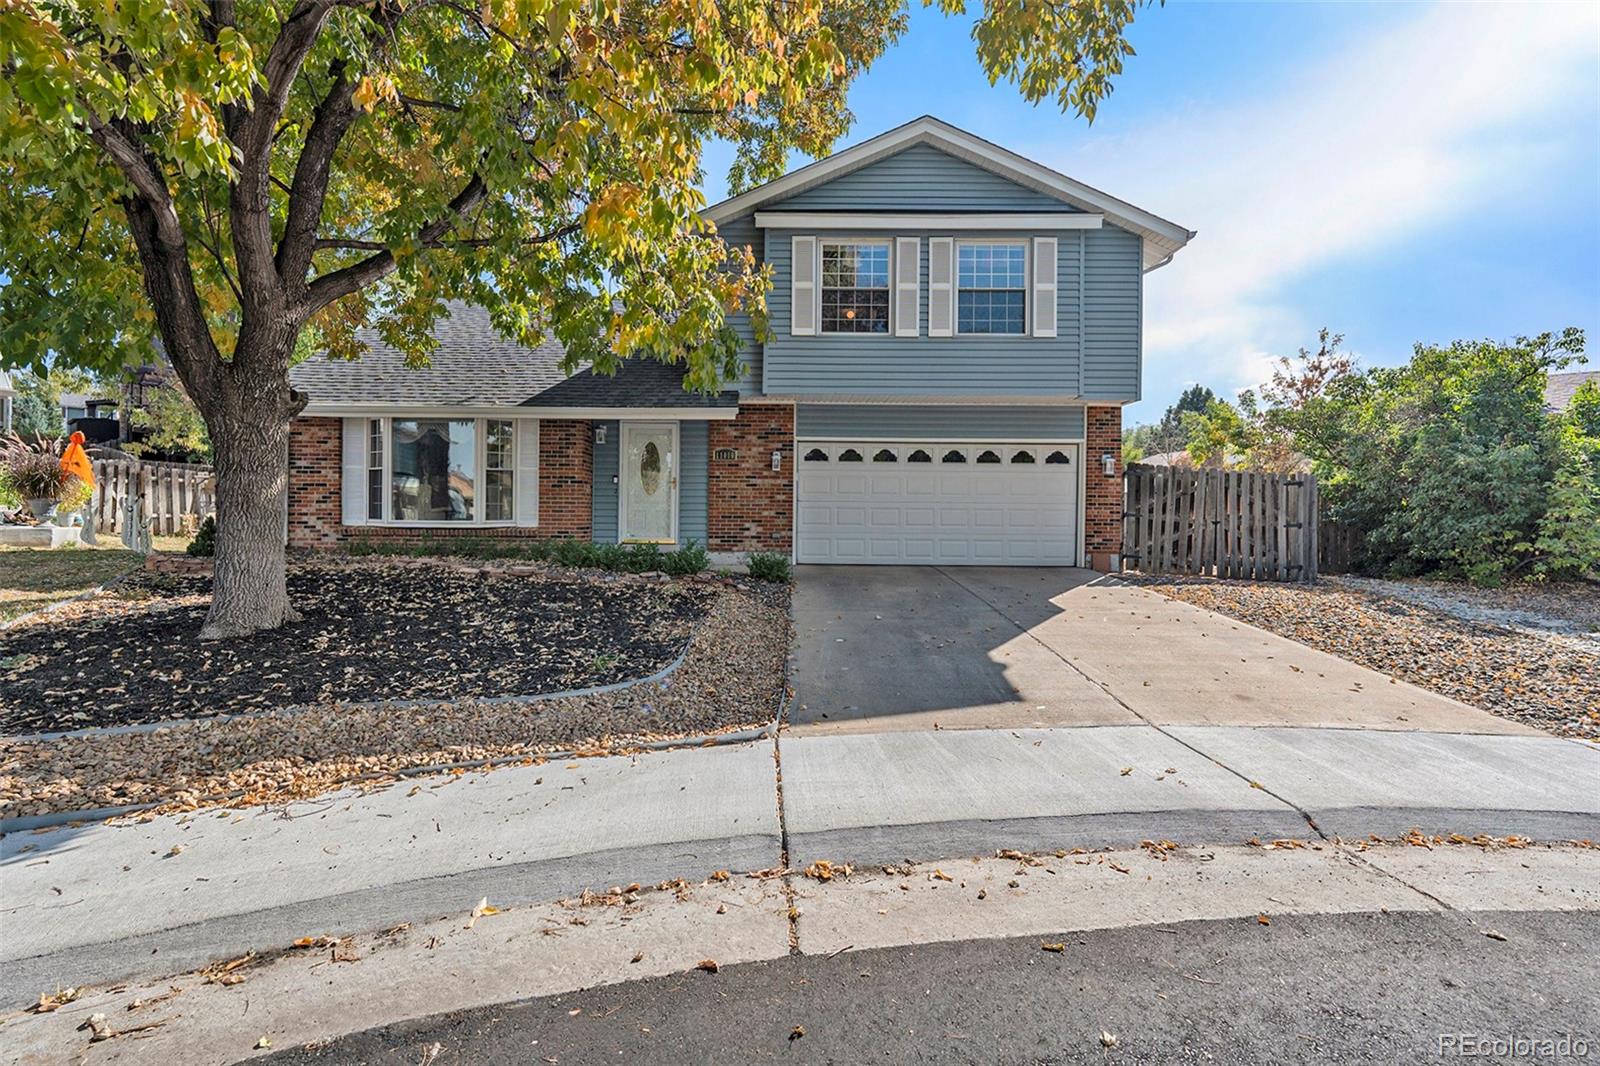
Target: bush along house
<point>954,331</point>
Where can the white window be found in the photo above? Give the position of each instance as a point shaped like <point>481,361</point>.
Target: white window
<point>446,471</point>
<point>991,287</point>
<point>855,287</point>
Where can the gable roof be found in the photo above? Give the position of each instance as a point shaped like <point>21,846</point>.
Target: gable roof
<point>1560,388</point>
<point>474,366</point>
<point>1162,238</point>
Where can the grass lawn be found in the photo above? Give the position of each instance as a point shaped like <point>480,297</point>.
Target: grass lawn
<point>31,578</point>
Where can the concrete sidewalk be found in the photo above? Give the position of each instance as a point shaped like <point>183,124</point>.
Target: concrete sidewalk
<point>105,901</point>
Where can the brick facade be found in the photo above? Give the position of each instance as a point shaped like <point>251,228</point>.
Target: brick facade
<point>750,505</point>
<point>316,509</point>
<point>1103,495</point>
<point>566,479</point>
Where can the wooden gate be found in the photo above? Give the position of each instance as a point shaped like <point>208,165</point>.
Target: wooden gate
<point>1221,523</point>
<point>175,496</point>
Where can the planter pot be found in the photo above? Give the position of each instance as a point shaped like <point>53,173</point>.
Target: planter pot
<point>42,509</point>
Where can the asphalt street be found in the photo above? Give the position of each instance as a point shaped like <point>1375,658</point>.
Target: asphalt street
<point>1356,988</point>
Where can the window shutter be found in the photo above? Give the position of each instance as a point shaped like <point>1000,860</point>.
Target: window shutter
<point>1044,286</point>
<point>908,278</point>
<point>353,484</point>
<point>525,482</point>
<point>941,288</point>
<point>803,287</point>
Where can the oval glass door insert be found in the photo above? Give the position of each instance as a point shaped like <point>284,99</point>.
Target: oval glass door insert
<point>650,468</point>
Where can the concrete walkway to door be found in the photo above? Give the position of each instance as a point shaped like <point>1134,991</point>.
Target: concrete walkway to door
<point>897,648</point>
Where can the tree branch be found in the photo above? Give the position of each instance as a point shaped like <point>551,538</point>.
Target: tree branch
<point>333,118</point>
<point>330,287</point>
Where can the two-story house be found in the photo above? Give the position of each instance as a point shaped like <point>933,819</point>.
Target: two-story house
<point>953,332</point>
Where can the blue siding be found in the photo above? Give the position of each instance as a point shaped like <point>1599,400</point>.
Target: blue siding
<point>921,178</point>
<point>693,473</point>
<point>931,366</point>
<point>603,494</point>
<point>919,422</point>
<point>1113,282</point>
<point>693,468</point>
<point>742,231</point>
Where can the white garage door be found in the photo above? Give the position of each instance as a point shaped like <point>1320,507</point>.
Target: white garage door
<point>948,504</point>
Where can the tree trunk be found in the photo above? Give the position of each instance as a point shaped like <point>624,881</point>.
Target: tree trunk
<point>250,591</point>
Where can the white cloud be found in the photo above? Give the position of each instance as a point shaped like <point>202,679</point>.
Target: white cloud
<point>1462,107</point>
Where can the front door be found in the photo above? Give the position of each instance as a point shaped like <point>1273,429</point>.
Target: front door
<point>649,483</point>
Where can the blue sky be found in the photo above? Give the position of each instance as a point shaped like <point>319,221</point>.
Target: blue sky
<point>1397,172</point>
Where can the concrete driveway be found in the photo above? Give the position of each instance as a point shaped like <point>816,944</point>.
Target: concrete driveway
<point>892,648</point>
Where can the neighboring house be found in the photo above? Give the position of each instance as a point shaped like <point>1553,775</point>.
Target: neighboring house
<point>955,331</point>
<point>7,394</point>
<point>1560,388</point>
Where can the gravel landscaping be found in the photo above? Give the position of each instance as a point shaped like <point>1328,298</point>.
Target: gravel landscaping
<point>1551,682</point>
<point>371,632</point>
<point>731,677</point>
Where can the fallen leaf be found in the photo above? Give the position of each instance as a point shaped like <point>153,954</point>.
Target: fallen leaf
<point>708,965</point>
<point>99,1028</point>
<point>1107,1039</point>
<point>1262,919</point>
<point>1494,934</point>
<point>1126,770</point>
<point>49,1001</point>
<point>940,875</point>
<point>797,1032</point>
<point>638,956</point>
<point>1053,945</point>
<point>481,910</point>
<point>720,875</point>
<point>263,1043</point>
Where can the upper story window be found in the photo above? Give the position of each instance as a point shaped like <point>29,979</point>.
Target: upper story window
<point>991,287</point>
<point>855,287</point>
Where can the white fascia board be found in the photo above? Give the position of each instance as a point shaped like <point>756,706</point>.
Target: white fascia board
<point>401,410</point>
<point>847,220</point>
<point>929,130</point>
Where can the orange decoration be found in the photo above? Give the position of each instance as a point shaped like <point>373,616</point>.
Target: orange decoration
<point>75,460</point>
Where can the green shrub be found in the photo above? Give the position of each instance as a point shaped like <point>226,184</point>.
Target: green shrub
<point>689,559</point>
<point>770,566</point>
<point>579,554</point>
<point>204,544</point>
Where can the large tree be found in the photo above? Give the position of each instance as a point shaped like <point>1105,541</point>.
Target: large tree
<point>222,177</point>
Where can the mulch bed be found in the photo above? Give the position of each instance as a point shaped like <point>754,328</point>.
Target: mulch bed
<point>1546,682</point>
<point>370,632</point>
<point>731,677</point>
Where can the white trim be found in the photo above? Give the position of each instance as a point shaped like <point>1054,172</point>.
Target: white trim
<point>1027,286</point>
<point>676,461</point>
<point>1162,237</point>
<point>466,411</point>
<point>1043,220</point>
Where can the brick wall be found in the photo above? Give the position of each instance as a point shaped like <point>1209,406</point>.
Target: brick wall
<point>315,510</point>
<point>750,505</point>
<point>566,463</point>
<point>566,479</point>
<point>1103,495</point>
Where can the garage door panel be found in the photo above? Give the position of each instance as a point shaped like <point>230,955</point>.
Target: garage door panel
<point>937,513</point>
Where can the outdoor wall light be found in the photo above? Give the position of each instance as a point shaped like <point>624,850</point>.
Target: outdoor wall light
<point>600,434</point>
<point>777,460</point>
<point>1108,463</point>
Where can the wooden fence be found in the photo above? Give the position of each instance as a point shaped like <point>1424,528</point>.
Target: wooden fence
<point>1222,523</point>
<point>1338,545</point>
<point>175,496</point>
